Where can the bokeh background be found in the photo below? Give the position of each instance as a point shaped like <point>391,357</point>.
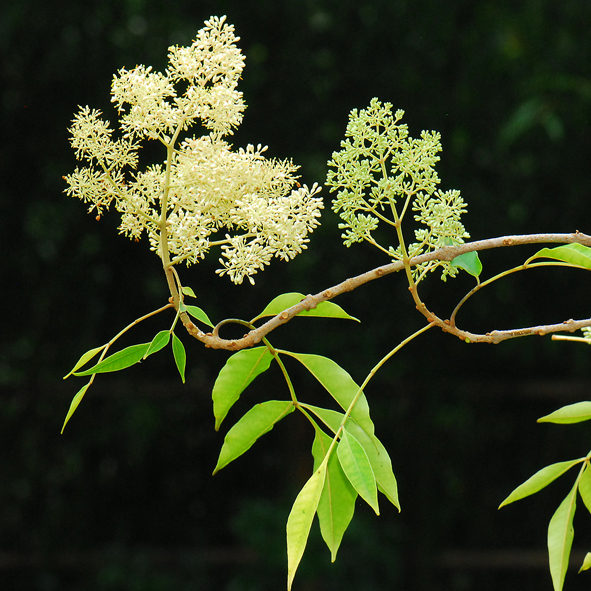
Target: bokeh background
<point>125,500</point>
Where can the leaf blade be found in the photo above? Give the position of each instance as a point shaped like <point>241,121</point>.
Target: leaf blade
<point>158,342</point>
<point>118,361</point>
<point>572,413</point>
<point>560,538</point>
<point>260,419</point>
<point>238,372</point>
<point>180,355</point>
<point>287,300</point>
<point>300,520</point>
<point>85,359</point>
<point>199,314</point>
<point>470,262</point>
<point>339,384</point>
<point>74,404</point>
<point>574,254</point>
<point>540,480</point>
<point>357,468</point>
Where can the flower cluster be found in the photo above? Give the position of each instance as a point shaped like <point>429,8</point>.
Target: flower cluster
<point>380,173</point>
<point>204,190</point>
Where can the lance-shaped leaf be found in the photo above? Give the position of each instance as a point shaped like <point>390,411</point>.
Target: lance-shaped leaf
<point>188,291</point>
<point>198,313</point>
<point>337,502</point>
<point>376,452</point>
<point>74,404</point>
<point>573,413</point>
<point>340,386</point>
<point>357,468</point>
<point>85,359</point>
<point>260,419</point>
<point>300,520</point>
<point>574,254</point>
<point>158,342</point>
<point>585,487</point>
<point>560,538</point>
<point>287,300</point>
<point>180,356</point>
<point>586,563</point>
<point>540,480</point>
<point>120,360</point>
<point>470,262</point>
<point>240,370</point>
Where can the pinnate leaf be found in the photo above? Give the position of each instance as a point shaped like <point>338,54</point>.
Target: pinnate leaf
<point>256,422</point>
<point>337,502</point>
<point>573,413</point>
<point>74,404</point>
<point>120,360</point>
<point>540,480</point>
<point>340,386</point>
<point>180,356</point>
<point>575,254</point>
<point>560,538</point>
<point>287,300</point>
<point>357,468</point>
<point>240,370</point>
<point>300,520</point>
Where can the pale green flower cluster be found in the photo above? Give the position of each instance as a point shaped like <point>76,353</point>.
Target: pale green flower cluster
<point>380,172</point>
<point>255,205</point>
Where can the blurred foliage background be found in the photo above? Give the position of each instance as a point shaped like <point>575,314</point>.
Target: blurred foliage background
<point>124,500</point>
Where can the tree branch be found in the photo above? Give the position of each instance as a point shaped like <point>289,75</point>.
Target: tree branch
<point>447,253</point>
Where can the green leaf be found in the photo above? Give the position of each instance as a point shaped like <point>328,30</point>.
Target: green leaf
<point>199,314</point>
<point>74,404</point>
<point>158,342</point>
<point>540,480</point>
<point>585,487</point>
<point>357,468</point>
<point>85,359</point>
<point>180,356</point>
<point>586,563</point>
<point>256,422</point>
<point>188,291</point>
<point>376,452</point>
<point>560,538</point>
<point>574,254</point>
<point>240,370</point>
<point>573,413</point>
<point>470,262</point>
<point>287,300</point>
<point>340,386</point>
<point>300,520</point>
<point>337,502</point>
<point>120,360</point>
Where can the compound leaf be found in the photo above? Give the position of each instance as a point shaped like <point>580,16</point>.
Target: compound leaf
<point>300,520</point>
<point>574,254</point>
<point>357,468</point>
<point>572,413</point>
<point>256,422</point>
<point>180,356</point>
<point>540,480</point>
<point>560,538</point>
<point>287,300</point>
<point>240,370</point>
<point>120,360</point>
<point>340,386</point>
<point>337,501</point>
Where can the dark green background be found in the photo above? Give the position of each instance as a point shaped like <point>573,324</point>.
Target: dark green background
<point>124,499</point>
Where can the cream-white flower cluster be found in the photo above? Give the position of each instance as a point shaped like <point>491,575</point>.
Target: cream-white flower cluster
<point>205,194</point>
